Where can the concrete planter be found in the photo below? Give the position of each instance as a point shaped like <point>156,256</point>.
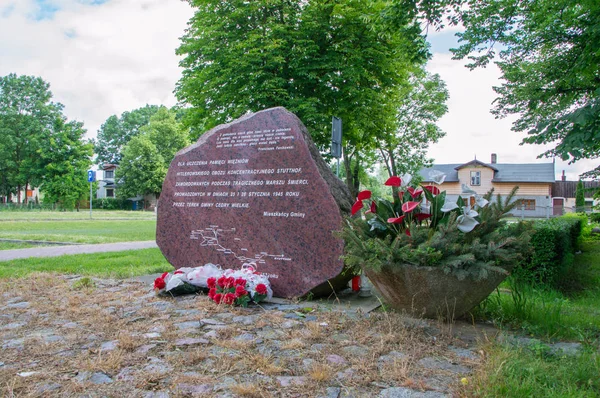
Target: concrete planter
<point>428,292</point>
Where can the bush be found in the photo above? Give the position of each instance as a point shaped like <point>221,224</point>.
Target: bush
<point>113,204</point>
<point>554,243</point>
<point>595,217</point>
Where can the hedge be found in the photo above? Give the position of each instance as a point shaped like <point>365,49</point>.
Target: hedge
<point>554,243</point>
<point>113,204</point>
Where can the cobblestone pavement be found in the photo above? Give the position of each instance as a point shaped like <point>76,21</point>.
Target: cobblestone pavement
<point>72,336</point>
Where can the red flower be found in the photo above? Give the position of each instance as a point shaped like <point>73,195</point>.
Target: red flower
<point>422,216</point>
<point>414,192</point>
<point>400,194</point>
<point>373,208</point>
<point>362,195</point>
<point>240,291</point>
<point>356,206</point>
<point>240,282</point>
<point>407,232</point>
<point>230,282</point>
<point>159,283</point>
<point>177,272</point>
<point>261,289</point>
<point>212,292</point>
<point>221,281</point>
<point>433,189</point>
<point>396,220</point>
<point>229,298</point>
<point>217,298</point>
<point>163,276</point>
<point>393,181</point>
<point>409,206</point>
<point>211,282</point>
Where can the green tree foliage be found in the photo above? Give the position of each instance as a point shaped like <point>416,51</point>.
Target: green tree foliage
<point>548,53</point>
<point>580,198</point>
<point>317,58</point>
<point>419,105</point>
<point>146,157</point>
<point>116,132</point>
<point>38,146</point>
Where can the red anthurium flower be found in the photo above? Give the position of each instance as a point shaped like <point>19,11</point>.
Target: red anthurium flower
<point>422,216</point>
<point>396,220</point>
<point>407,232</point>
<point>373,208</point>
<point>159,283</point>
<point>362,195</point>
<point>414,192</point>
<point>356,206</point>
<point>433,189</point>
<point>261,289</point>
<point>409,206</point>
<point>400,194</point>
<point>393,181</point>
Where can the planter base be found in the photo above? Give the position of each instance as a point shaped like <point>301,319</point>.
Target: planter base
<point>428,292</point>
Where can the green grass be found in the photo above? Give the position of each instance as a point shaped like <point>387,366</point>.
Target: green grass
<point>123,264</point>
<point>74,215</point>
<point>534,372</point>
<point>14,245</point>
<point>573,313</point>
<point>80,231</point>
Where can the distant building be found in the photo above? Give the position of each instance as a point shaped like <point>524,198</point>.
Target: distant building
<point>563,193</point>
<point>535,182</point>
<point>106,181</point>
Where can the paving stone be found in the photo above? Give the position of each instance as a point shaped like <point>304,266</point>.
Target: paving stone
<point>392,356</point>
<point>225,384</point>
<point>47,388</point>
<point>213,334</point>
<point>336,359</point>
<point>268,333</point>
<point>145,348</point>
<point>331,392</point>
<point>319,347</point>
<point>308,363</point>
<point>161,305</point>
<point>12,326</point>
<point>21,305</point>
<point>442,364</point>
<point>158,366</point>
<point>109,345</point>
<point>210,321</point>
<point>245,337</point>
<point>245,319</point>
<point>287,381</point>
<point>191,312</point>
<point>569,349</point>
<point>345,374</point>
<point>355,351</point>
<point>188,325</point>
<point>156,394</point>
<point>94,378</point>
<point>193,389</point>
<point>151,335</point>
<point>463,352</point>
<point>290,324</point>
<point>70,325</point>
<point>17,344</point>
<point>126,374</point>
<point>402,392</point>
<point>190,341</point>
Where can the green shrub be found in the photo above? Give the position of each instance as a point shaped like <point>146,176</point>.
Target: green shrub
<point>113,204</point>
<point>554,243</point>
<point>595,217</point>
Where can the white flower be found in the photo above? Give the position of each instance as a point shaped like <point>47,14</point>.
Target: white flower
<point>437,176</point>
<point>481,202</point>
<point>467,222</point>
<point>467,190</point>
<point>405,179</point>
<point>448,206</point>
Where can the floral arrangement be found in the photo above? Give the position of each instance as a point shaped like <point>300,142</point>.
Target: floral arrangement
<point>232,287</point>
<point>421,227</point>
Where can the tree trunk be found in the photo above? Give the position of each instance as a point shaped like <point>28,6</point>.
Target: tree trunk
<point>19,194</point>
<point>26,188</point>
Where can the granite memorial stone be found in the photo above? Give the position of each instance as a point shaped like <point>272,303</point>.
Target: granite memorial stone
<point>255,191</point>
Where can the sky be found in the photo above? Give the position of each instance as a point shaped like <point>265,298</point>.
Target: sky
<point>104,57</point>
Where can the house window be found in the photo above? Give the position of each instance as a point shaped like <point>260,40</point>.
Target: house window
<point>476,178</point>
<point>526,204</point>
<point>110,193</point>
<point>109,174</point>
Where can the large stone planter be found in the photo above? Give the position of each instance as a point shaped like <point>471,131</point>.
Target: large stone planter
<point>429,292</point>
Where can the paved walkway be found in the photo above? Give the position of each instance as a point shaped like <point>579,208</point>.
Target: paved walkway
<point>55,251</point>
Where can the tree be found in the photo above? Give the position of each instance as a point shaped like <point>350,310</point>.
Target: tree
<point>317,58</point>
<point>116,132</point>
<point>550,64</point>
<point>66,158</point>
<point>146,157</point>
<point>580,198</point>
<point>419,105</point>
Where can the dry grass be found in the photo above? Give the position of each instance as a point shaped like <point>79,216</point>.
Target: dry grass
<point>96,316</point>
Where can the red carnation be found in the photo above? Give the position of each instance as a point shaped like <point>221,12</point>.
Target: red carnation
<point>229,298</point>
<point>211,282</point>
<point>212,292</point>
<point>217,298</point>
<point>261,289</point>
<point>159,283</point>
<point>240,291</point>
<point>240,282</point>
<point>221,281</point>
<point>230,282</point>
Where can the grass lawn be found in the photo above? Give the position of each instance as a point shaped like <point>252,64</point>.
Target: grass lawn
<point>123,264</point>
<point>74,215</point>
<point>13,245</point>
<point>80,231</point>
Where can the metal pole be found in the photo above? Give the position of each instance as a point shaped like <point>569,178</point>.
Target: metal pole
<point>91,200</point>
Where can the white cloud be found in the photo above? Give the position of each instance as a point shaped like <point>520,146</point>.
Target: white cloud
<point>471,130</point>
<point>99,59</point>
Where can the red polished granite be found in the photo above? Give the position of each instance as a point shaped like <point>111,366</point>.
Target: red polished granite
<point>255,191</point>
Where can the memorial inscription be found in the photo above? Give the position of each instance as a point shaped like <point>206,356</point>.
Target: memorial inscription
<point>249,192</point>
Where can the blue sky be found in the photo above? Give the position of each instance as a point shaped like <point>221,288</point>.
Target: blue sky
<point>104,57</point>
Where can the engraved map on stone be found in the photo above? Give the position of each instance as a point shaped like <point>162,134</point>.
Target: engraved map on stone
<point>215,238</point>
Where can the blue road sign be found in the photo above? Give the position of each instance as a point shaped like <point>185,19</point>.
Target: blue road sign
<point>91,176</point>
